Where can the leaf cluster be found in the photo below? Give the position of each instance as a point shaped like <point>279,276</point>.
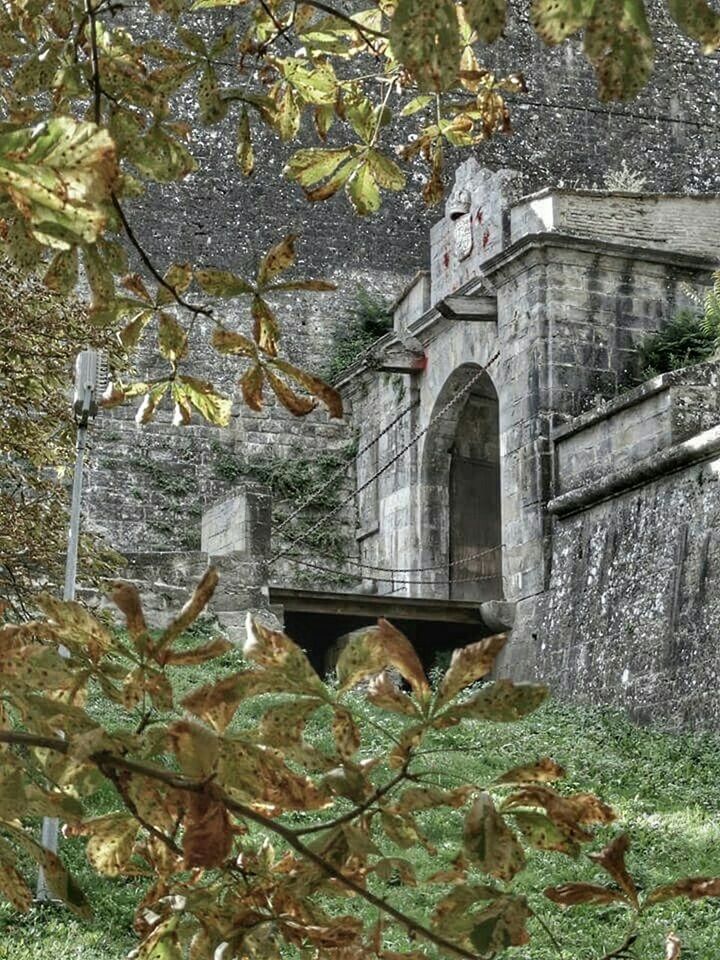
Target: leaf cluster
<point>92,119</point>
<point>39,333</point>
<point>253,838</point>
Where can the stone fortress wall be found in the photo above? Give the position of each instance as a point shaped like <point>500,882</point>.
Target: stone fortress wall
<point>603,557</point>
<point>140,482</point>
<point>608,491</point>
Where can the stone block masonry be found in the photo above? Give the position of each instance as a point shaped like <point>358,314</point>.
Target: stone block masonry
<point>607,493</point>
<point>561,135</point>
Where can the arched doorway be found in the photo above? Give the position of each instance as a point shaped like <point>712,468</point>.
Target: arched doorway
<point>461,518</point>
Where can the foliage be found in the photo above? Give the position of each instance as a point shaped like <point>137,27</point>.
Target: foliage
<point>95,113</point>
<point>689,337</point>
<point>625,179</point>
<point>369,318</point>
<point>252,838</point>
<point>39,332</point>
<point>637,769</point>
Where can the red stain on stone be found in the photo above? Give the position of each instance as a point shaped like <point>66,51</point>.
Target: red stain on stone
<point>446,259</point>
<point>486,239</point>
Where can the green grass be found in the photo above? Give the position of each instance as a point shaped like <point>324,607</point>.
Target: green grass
<point>663,786</point>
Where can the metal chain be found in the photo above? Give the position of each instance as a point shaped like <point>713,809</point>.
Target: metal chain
<point>395,580</point>
<point>386,466</point>
<point>350,561</point>
<point>341,470</point>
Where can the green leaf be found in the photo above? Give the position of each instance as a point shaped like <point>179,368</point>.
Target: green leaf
<point>172,338</point>
<point>315,83</point>
<point>362,189</point>
<point>60,175</point>
<point>416,104</point>
<point>620,46</point>
<point>698,21</point>
<point>244,153</point>
<point>213,108</point>
<point>179,277</point>
<point>487,18</point>
<point>161,157</point>
<point>489,842</point>
<point>308,167</point>
<point>425,38</point>
<point>222,283</point>
<point>287,115</point>
<point>556,20</point>
<point>387,173</point>
<point>211,405</point>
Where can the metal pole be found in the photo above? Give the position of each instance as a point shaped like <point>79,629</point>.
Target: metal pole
<point>51,825</point>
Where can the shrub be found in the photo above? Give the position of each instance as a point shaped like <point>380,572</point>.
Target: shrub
<point>687,338</point>
<point>369,319</point>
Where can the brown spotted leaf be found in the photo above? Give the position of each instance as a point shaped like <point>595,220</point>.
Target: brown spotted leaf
<point>699,21</point>
<point>208,836</point>
<point>487,18</point>
<point>111,842</point>
<point>274,650</point>
<point>298,405</point>
<point>314,385</point>
<point>543,834</point>
<point>572,894</point>
<point>371,650</point>
<point>612,860</point>
<point>425,39</point>
<point>346,733</point>
<point>489,843</point>
<point>469,664</point>
<point>276,260</point>
<point>190,612</point>
<point>543,771</point>
<point>694,888</point>
<point>384,693</point>
<point>502,702</point>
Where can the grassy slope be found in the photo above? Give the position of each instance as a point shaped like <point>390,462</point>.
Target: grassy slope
<point>664,788</point>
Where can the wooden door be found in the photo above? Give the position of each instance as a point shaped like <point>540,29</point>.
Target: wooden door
<point>475,526</point>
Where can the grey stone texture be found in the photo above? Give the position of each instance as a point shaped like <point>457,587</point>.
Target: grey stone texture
<point>609,500</point>
<point>601,484</point>
<point>562,136</point>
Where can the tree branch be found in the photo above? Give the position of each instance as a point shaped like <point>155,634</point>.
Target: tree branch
<point>360,27</point>
<point>357,811</point>
<point>179,782</point>
<point>193,308</point>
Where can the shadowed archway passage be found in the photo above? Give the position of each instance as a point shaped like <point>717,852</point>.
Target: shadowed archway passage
<point>461,523</point>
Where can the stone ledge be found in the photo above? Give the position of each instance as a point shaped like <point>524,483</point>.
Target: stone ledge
<point>699,374</point>
<point>697,449</point>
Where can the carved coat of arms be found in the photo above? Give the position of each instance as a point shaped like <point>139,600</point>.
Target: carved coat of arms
<point>458,210</point>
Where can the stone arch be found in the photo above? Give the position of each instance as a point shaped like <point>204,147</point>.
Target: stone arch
<point>460,510</point>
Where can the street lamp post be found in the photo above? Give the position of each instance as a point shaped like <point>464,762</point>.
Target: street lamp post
<point>91,378</point>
